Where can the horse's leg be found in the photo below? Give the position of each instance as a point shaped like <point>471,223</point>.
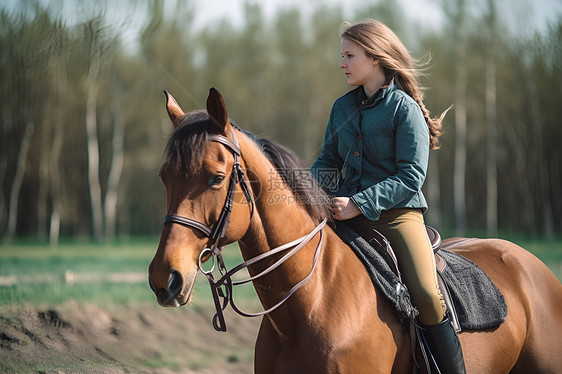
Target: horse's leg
<point>266,351</point>
<point>277,353</point>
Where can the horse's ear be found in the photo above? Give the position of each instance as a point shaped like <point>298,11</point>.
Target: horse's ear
<point>173,108</point>
<point>217,111</point>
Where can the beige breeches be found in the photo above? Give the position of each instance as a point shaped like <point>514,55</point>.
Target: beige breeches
<point>405,229</point>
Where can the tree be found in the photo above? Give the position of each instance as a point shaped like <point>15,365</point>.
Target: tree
<point>279,76</point>
<point>18,179</point>
<point>117,160</point>
<point>491,125</point>
<point>93,32</point>
<point>458,18</point>
<point>535,68</point>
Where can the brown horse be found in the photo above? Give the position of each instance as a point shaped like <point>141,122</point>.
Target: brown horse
<point>337,322</point>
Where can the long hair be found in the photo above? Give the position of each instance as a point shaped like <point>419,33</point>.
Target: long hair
<point>380,42</point>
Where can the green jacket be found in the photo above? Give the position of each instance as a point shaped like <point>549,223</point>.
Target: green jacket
<point>375,151</point>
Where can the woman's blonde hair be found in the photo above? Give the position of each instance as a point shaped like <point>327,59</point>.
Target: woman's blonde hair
<point>380,42</point>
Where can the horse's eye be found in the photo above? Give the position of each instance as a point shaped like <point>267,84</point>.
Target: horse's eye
<point>215,180</point>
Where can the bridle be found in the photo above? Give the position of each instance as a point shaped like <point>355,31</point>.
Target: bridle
<point>216,233</point>
<point>223,287</point>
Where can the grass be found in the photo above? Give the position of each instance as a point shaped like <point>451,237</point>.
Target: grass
<point>548,251</point>
<point>35,263</point>
<point>40,272</point>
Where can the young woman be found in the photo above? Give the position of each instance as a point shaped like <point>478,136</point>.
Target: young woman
<point>378,138</point>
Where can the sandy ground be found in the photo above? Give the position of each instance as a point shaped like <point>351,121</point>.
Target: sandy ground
<point>84,338</point>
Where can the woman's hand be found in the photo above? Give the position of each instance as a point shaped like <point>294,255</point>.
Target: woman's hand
<point>343,208</point>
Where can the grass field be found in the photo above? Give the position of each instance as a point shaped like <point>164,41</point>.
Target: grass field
<point>37,274</point>
<point>87,308</point>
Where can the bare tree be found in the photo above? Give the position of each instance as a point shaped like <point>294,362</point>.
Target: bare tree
<point>541,161</point>
<point>118,157</point>
<point>491,126</point>
<point>3,214</point>
<point>91,129</point>
<point>459,172</point>
<point>55,173</point>
<point>18,180</point>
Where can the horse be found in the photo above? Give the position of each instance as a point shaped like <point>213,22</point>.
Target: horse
<point>224,185</point>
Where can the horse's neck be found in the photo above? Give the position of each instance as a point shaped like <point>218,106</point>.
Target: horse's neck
<point>278,218</point>
<point>278,221</point>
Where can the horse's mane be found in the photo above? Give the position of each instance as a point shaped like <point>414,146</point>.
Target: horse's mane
<point>186,148</point>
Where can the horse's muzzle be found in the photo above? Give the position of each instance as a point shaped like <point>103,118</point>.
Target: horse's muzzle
<point>172,296</point>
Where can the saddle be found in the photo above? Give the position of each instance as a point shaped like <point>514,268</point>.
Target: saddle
<point>383,247</point>
<point>473,301</point>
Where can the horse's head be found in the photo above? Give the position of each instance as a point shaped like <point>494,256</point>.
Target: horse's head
<point>200,160</point>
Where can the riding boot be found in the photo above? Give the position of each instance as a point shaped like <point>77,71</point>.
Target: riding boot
<point>444,345</point>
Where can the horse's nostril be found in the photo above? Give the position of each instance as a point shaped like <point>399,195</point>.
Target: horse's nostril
<point>175,283</point>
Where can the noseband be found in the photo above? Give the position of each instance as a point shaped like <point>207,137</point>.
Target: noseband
<point>223,287</point>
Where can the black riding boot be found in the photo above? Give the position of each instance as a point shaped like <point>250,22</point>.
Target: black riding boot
<point>445,347</point>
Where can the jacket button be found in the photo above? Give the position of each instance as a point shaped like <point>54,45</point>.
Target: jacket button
<point>358,136</point>
<point>356,154</point>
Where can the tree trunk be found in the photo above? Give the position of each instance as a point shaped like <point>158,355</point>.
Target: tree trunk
<point>3,207</point>
<point>18,180</point>
<point>118,156</point>
<point>542,162</point>
<point>55,172</point>
<point>491,150</point>
<point>459,172</point>
<point>491,126</point>
<point>55,182</point>
<point>43,188</point>
<point>92,138</point>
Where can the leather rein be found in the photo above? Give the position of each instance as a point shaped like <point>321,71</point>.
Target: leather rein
<point>223,287</point>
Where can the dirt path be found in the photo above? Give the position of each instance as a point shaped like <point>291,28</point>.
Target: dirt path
<point>84,338</point>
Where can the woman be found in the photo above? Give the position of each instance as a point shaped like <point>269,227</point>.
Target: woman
<point>378,138</point>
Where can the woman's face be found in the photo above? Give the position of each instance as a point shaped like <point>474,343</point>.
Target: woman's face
<point>359,69</point>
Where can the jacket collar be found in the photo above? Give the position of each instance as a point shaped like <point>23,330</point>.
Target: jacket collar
<point>367,102</point>
<point>356,100</point>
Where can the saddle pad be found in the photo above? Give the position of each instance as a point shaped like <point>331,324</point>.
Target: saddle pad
<point>479,303</point>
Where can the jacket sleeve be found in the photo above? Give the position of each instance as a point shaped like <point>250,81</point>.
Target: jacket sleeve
<point>412,155</point>
<point>328,165</point>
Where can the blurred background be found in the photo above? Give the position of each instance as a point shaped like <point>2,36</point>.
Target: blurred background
<point>83,129</point>
<point>83,125</point>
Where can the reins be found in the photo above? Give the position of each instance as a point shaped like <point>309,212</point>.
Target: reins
<point>216,233</point>
<point>226,280</point>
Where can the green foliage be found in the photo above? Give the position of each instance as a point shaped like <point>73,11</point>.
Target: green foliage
<point>279,78</point>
